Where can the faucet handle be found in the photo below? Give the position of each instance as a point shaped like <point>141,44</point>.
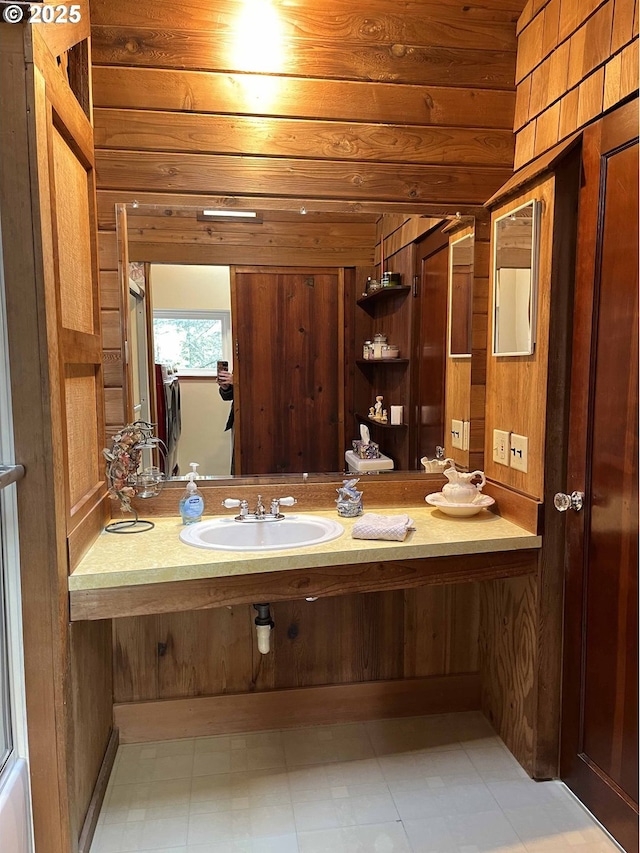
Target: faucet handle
<point>287,501</point>
<point>229,503</point>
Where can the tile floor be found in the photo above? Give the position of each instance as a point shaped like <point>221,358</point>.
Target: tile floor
<point>439,784</point>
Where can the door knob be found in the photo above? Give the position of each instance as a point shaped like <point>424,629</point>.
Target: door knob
<point>564,502</point>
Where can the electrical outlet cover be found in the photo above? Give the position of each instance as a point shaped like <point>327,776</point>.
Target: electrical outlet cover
<point>519,455</point>
<point>501,447</point>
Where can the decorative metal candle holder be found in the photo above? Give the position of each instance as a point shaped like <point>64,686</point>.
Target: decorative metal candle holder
<point>123,478</point>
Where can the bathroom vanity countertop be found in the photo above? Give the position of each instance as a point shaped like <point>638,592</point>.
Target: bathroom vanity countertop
<point>158,556</point>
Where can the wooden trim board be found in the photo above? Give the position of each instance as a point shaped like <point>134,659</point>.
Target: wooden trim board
<point>97,798</point>
<point>169,719</point>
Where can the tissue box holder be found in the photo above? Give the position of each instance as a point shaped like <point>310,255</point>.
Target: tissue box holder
<point>366,451</point>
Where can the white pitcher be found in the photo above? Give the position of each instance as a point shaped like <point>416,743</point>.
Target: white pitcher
<point>460,489</point>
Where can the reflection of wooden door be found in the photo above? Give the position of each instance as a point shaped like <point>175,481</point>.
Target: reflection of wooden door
<point>288,394</point>
<point>600,699</point>
<point>432,267</point>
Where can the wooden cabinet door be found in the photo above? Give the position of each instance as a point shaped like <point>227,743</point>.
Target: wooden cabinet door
<point>599,760</point>
<point>288,385</point>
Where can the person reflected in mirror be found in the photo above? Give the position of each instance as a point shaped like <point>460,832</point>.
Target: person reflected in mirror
<point>225,388</point>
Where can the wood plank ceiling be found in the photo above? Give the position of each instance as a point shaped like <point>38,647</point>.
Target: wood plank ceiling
<point>341,105</point>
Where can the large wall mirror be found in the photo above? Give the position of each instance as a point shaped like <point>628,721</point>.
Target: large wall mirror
<point>285,332</point>
<point>460,296</point>
<point>515,280</point>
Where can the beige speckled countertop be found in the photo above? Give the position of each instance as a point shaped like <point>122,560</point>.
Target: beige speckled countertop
<point>159,556</point>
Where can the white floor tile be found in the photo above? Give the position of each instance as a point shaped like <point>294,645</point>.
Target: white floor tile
<point>440,784</point>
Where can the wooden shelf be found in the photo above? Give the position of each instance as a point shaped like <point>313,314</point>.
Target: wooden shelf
<point>364,419</point>
<point>383,293</point>
<point>368,361</point>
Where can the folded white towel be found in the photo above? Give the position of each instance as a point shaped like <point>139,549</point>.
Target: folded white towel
<point>373,526</point>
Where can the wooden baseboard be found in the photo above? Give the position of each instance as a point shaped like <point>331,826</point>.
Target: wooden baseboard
<point>169,719</point>
<point>97,798</point>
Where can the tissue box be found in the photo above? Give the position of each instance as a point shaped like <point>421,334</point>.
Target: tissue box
<point>366,451</point>
<point>367,466</point>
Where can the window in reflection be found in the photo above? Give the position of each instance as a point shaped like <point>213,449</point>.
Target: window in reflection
<point>515,280</point>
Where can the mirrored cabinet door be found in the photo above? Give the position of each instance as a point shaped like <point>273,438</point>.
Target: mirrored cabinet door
<point>515,280</point>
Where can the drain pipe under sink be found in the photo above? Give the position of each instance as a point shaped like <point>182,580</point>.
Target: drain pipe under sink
<point>264,624</point>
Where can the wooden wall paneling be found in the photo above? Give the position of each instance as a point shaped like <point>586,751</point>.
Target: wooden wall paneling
<point>508,660</point>
<point>516,386</point>
<point>547,129</point>
<point>148,171</point>
<point>195,253</point>
<point>335,640</point>
<point>363,643</point>
<point>92,680</point>
<point>525,141</point>
<point>453,65</point>
<point>161,89</point>
<point>136,655</point>
<point>570,84</point>
<point>205,653</point>
<point>109,291</point>
<point>591,97</point>
<point>569,113</point>
<point>198,133</point>
<point>307,22</point>
<point>441,630</point>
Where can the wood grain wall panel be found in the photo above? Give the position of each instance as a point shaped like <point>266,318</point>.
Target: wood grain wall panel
<point>197,253</point>
<point>73,237</point>
<point>109,292</point>
<point>135,658</point>
<point>336,640</point>
<point>517,387</point>
<point>160,89</point>
<point>198,50</point>
<point>166,172</point>
<point>571,83</point>
<point>83,453</point>
<point>367,23</point>
<point>508,643</point>
<point>139,130</point>
<point>108,250</point>
<point>91,676</point>
<point>204,653</point>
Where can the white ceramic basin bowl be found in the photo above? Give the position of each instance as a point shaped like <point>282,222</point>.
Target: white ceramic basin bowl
<point>294,531</point>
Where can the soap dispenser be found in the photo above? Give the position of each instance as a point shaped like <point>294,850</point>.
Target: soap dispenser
<point>192,502</point>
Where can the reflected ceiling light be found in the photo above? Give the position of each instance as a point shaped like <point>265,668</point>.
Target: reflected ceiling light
<point>240,214</point>
<point>258,38</point>
<point>229,216</point>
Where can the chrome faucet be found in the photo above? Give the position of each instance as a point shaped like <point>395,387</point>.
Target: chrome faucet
<point>260,513</point>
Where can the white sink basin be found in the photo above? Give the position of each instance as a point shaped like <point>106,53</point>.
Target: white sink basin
<point>294,531</point>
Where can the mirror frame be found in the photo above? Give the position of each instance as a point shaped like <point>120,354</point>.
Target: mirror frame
<point>536,207</point>
<point>452,245</point>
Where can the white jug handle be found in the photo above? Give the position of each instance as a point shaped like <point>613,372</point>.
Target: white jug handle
<point>483,479</point>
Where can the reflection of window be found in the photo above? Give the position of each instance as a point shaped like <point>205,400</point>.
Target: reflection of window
<point>192,341</point>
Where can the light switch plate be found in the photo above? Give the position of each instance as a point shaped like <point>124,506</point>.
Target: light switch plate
<point>501,447</point>
<point>466,427</point>
<point>457,431</point>
<point>519,454</point>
